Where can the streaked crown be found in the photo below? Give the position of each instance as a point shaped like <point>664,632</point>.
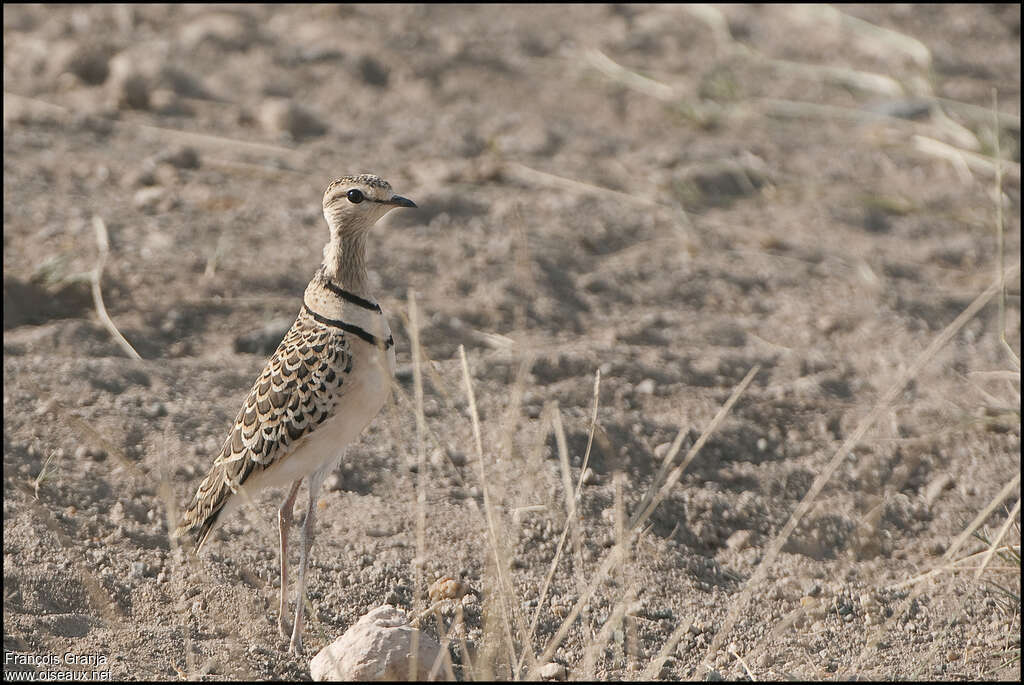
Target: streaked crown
<point>372,187</point>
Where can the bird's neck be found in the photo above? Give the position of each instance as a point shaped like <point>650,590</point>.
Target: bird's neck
<point>345,261</point>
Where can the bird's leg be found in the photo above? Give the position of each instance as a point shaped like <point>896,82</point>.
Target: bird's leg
<point>284,521</point>
<point>307,542</point>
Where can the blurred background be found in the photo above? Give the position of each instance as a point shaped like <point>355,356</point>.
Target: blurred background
<point>669,195</point>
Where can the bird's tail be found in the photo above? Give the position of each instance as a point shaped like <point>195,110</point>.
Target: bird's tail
<point>202,513</point>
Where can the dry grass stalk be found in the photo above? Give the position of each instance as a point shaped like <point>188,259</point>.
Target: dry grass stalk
<point>505,592</point>
<point>572,523</point>
<point>965,160</point>
<point>103,242</point>
<point>653,669</point>
<point>629,78</point>
<point>421,477</point>
<point>982,516</point>
<point>1000,231</point>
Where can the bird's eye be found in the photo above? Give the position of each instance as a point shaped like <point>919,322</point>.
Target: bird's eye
<point>355,196</point>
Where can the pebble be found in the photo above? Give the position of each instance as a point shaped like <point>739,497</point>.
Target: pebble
<point>553,671</point>
<point>645,387</point>
<point>373,72</point>
<point>89,63</point>
<point>128,86</point>
<point>279,115</point>
<point>225,30</point>
<point>936,486</point>
<point>149,198</point>
<point>182,157</point>
<point>739,540</point>
<point>165,101</point>
<point>154,410</point>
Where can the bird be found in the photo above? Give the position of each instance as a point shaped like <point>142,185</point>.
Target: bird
<point>328,378</point>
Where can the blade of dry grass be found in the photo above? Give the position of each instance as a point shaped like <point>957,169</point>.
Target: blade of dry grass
<point>982,516</point>
<point>596,645</point>
<point>629,78</point>
<point>893,44</point>
<point>1000,231</point>
<point>505,592</point>
<point>663,470</point>
<point>653,669</point>
<point>1003,530</point>
<point>590,435</point>
<point>421,475</point>
<point>572,521</point>
<point>103,242</point>
<point>673,477</point>
<point>965,159</point>
<point>547,180</point>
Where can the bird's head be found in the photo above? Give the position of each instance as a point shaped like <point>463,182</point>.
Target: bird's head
<point>355,203</point>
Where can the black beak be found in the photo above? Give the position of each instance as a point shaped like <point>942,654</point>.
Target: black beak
<point>400,201</point>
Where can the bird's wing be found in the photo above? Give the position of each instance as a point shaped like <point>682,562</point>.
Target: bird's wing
<point>298,390</point>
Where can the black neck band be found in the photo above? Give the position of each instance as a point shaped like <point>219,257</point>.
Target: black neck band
<point>349,328</point>
<point>354,299</point>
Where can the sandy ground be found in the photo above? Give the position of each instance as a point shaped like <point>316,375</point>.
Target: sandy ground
<point>668,196</point>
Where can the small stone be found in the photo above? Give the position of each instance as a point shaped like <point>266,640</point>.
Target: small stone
<point>155,410</point>
<point>224,30</point>
<point>372,71</point>
<point>279,115</point>
<point>89,63</point>
<point>553,671</point>
<point>935,487</point>
<point>128,86</point>
<point>645,387</point>
<point>182,157</point>
<point>148,199</point>
<point>138,569</point>
<point>165,101</point>
<point>739,540</point>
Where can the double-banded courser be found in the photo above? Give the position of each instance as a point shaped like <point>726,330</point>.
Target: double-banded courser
<point>327,379</point>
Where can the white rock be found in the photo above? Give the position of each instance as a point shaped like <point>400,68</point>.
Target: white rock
<point>377,647</point>
<point>553,671</point>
